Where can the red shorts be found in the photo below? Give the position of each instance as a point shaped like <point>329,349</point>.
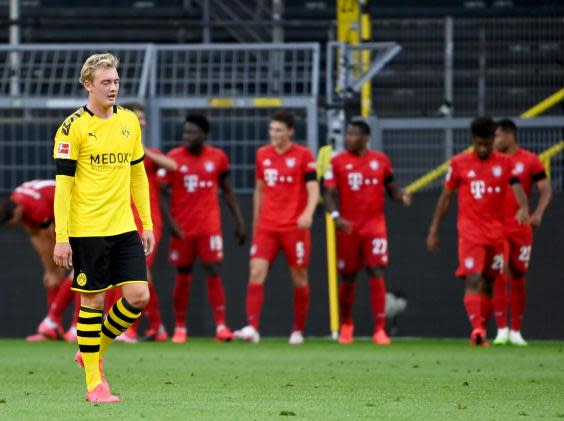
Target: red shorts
<point>183,252</point>
<point>356,251</point>
<point>479,258</point>
<point>296,245</point>
<point>517,250</point>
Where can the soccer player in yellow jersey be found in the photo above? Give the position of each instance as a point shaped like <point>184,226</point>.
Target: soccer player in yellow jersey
<point>99,162</point>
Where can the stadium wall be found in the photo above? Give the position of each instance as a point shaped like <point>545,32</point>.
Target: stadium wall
<point>434,294</point>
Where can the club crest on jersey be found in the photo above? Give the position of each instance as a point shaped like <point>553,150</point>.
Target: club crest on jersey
<point>125,132</point>
<point>81,279</point>
<point>374,165</point>
<point>290,162</point>
<point>471,174</point>
<point>209,166</point>
<point>63,150</point>
<point>497,171</point>
<point>267,162</point>
<point>184,168</point>
<point>349,167</point>
<point>519,168</point>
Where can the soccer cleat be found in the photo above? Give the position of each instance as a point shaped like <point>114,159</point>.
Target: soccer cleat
<point>180,335</point>
<point>46,332</point>
<point>223,334</point>
<point>80,362</point>
<point>127,337</point>
<point>156,335</point>
<point>380,337</point>
<point>502,336</point>
<point>478,337</point>
<point>346,334</point>
<point>296,338</point>
<point>101,394</point>
<point>515,338</point>
<point>70,335</point>
<point>36,337</point>
<point>248,334</point>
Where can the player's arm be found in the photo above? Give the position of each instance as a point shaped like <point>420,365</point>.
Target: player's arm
<point>312,187</point>
<point>162,161</point>
<point>233,205</point>
<point>521,197</point>
<point>64,182</point>
<point>257,202</point>
<point>545,196</point>
<point>140,194</point>
<point>443,204</point>
<point>397,195</point>
<point>332,206</point>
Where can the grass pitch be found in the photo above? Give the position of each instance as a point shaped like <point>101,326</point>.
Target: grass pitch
<point>204,380</point>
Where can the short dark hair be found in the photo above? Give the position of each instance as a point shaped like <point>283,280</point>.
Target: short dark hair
<point>7,208</point>
<point>284,116</point>
<point>361,125</point>
<point>507,125</point>
<point>483,127</point>
<point>134,106</point>
<point>199,120</point>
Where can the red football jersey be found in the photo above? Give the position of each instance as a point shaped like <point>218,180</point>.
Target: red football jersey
<point>195,203</point>
<point>482,186</point>
<point>284,195</point>
<point>36,197</point>
<point>361,181</point>
<point>151,168</point>
<point>529,168</point>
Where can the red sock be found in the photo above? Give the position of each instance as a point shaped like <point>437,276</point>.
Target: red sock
<point>301,306</point>
<point>517,301</point>
<point>152,311</point>
<point>378,302</point>
<point>473,304</point>
<point>62,300</point>
<point>500,301</point>
<point>216,296</point>
<point>133,328</point>
<point>51,295</point>
<point>255,298</point>
<point>76,309</point>
<point>181,296</point>
<point>487,307</point>
<point>346,300</point>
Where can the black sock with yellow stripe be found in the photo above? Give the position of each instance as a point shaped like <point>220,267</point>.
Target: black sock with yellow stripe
<point>88,337</point>
<point>119,318</point>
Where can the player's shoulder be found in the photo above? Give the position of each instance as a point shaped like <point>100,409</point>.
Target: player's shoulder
<point>265,149</point>
<point>302,149</point>
<point>75,119</point>
<point>529,155</point>
<point>176,152</point>
<point>462,158</point>
<point>499,157</point>
<point>124,112</point>
<point>214,150</point>
<point>379,155</point>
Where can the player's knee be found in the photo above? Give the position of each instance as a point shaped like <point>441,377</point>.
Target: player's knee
<point>139,297</point>
<point>299,277</point>
<point>95,300</point>
<point>212,269</point>
<point>473,283</point>
<point>375,272</point>
<point>348,277</point>
<point>184,270</point>
<point>257,272</point>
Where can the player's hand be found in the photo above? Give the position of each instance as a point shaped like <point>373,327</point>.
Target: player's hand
<point>343,225</point>
<point>536,220</point>
<point>305,221</point>
<point>51,279</point>
<point>433,241</point>
<point>148,239</point>
<point>62,255</point>
<point>522,216</point>
<point>406,198</point>
<point>240,233</point>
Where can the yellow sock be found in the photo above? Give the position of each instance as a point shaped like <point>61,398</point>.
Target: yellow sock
<point>88,338</point>
<point>119,318</point>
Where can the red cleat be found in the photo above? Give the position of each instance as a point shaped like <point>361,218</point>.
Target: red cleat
<point>36,337</point>
<point>223,334</point>
<point>156,335</point>
<point>80,362</point>
<point>479,337</point>
<point>381,338</point>
<point>346,334</point>
<point>70,335</point>
<point>180,335</point>
<point>101,394</point>
<point>52,333</point>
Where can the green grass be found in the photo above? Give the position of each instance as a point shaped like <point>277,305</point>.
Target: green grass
<point>410,380</point>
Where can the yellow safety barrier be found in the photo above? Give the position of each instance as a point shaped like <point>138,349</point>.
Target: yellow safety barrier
<point>548,154</point>
<point>332,276</point>
<point>544,105</point>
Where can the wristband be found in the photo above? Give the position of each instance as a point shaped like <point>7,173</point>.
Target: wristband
<point>335,215</point>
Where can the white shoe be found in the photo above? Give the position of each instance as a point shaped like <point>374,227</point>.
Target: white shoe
<point>502,336</point>
<point>248,334</point>
<point>515,338</point>
<point>296,338</point>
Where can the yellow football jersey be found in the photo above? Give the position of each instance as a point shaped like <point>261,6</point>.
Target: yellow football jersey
<point>104,150</point>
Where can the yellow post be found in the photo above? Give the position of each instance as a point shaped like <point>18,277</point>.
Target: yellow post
<point>544,105</point>
<point>332,276</point>
<point>366,36</point>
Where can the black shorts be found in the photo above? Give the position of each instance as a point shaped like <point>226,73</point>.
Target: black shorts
<point>101,263</point>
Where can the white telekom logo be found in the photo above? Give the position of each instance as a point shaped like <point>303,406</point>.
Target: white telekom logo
<point>478,188</point>
<point>191,183</point>
<point>355,180</point>
<point>270,176</point>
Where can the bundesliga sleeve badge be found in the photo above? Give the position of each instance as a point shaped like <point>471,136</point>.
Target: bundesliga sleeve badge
<point>63,150</point>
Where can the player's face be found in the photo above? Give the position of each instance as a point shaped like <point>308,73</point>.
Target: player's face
<point>355,139</point>
<point>279,133</point>
<point>483,146</point>
<point>104,88</point>
<point>193,136</point>
<point>141,116</point>
<point>503,140</point>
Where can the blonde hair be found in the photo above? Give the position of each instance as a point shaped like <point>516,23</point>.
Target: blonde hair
<point>95,62</point>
